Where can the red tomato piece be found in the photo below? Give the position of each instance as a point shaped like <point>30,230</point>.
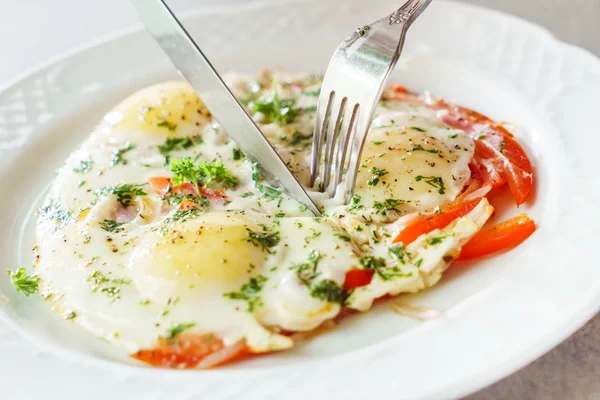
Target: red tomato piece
<point>357,278</point>
<point>499,237</point>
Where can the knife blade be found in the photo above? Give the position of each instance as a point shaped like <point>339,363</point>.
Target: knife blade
<point>193,65</point>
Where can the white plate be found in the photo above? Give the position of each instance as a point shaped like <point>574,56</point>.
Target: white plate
<point>499,314</point>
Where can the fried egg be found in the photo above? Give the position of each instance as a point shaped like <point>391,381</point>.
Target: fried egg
<point>134,250</point>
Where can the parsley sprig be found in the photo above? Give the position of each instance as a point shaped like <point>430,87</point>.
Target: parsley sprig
<point>185,169</point>
<point>28,284</point>
<point>274,109</point>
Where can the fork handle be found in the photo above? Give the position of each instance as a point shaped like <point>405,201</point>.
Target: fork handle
<point>408,12</point>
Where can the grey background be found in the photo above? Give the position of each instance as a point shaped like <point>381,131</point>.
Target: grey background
<point>32,31</point>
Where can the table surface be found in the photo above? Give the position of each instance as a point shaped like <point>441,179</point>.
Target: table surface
<point>570,371</point>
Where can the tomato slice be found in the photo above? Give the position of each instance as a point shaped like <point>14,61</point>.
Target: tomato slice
<point>187,351</point>
<point>426,223</point>
<point>188,205</point>
<point>165,187</point>
<point>358,277</point>
<point>499,237</point>
<point>497,154</point>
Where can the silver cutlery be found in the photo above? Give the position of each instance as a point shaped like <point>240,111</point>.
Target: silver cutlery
<point>193,65</point>
<point>354,81</point>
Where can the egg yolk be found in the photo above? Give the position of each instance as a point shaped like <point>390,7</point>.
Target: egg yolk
<point>407,165</point>
<point>209,249</point>
<point>160,109</point>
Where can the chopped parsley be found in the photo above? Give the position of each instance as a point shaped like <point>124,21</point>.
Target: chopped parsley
<point>453,136</point>
<point>435,181</point>
<point>502,144</point>
<point>249,292</point>
<point>379,265</point>
<point>314,235</point>
<point>127,192</point>
<point>177,144</point>
<point>177,199</point>
<point>355,204</point>
<point>416,128</point>
<point>265,240</point>
<point>22,282</point>
<point>113,226</point>
<point>57,212</point>
<point>419,262</point>
<point>436,240</point>
<point>237,154</point>
<point>387,206</point>
<point>377,173</point>
<point>85,166</point>
<point>180,216</point>
<point>167,124</point>
<point>275,109</point>
<point>329,291</point>
<point>105,284</point>
<point>307,270</point>
<point>399,251</point>
<point>177,329</point>
<point>186,170</point>
<point>343,237</point>
<point>118,155</point>
<point>418,147</point>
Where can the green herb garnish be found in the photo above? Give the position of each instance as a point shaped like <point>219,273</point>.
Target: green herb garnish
<point>186,170</point>
<point>113,226</point>
<point>127,192</point>
<point>117,156</point>
<point>249,292</point>
<point>436,240</point>
<point>418,147</point>
<point>379,265</point>
<point>343,237</point>
<point>85,166</point>
<point>275,109</point>
<point>307,270</point>
<point>57,212</point>
<point>435,181</point>
<point>177,329</point>
<point>377,173</point>
<point>180,216</point>
<point>265,240</point>
<point>177,144</point>
<point>329,291</point>
<point>387,205</point>
<point>167,124</point>
<point>22,282</point>
<point>355,204</point>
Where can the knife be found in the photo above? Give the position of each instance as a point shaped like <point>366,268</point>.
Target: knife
<point>193,65</point>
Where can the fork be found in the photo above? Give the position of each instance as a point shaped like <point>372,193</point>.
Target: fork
<point>352,86</point>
